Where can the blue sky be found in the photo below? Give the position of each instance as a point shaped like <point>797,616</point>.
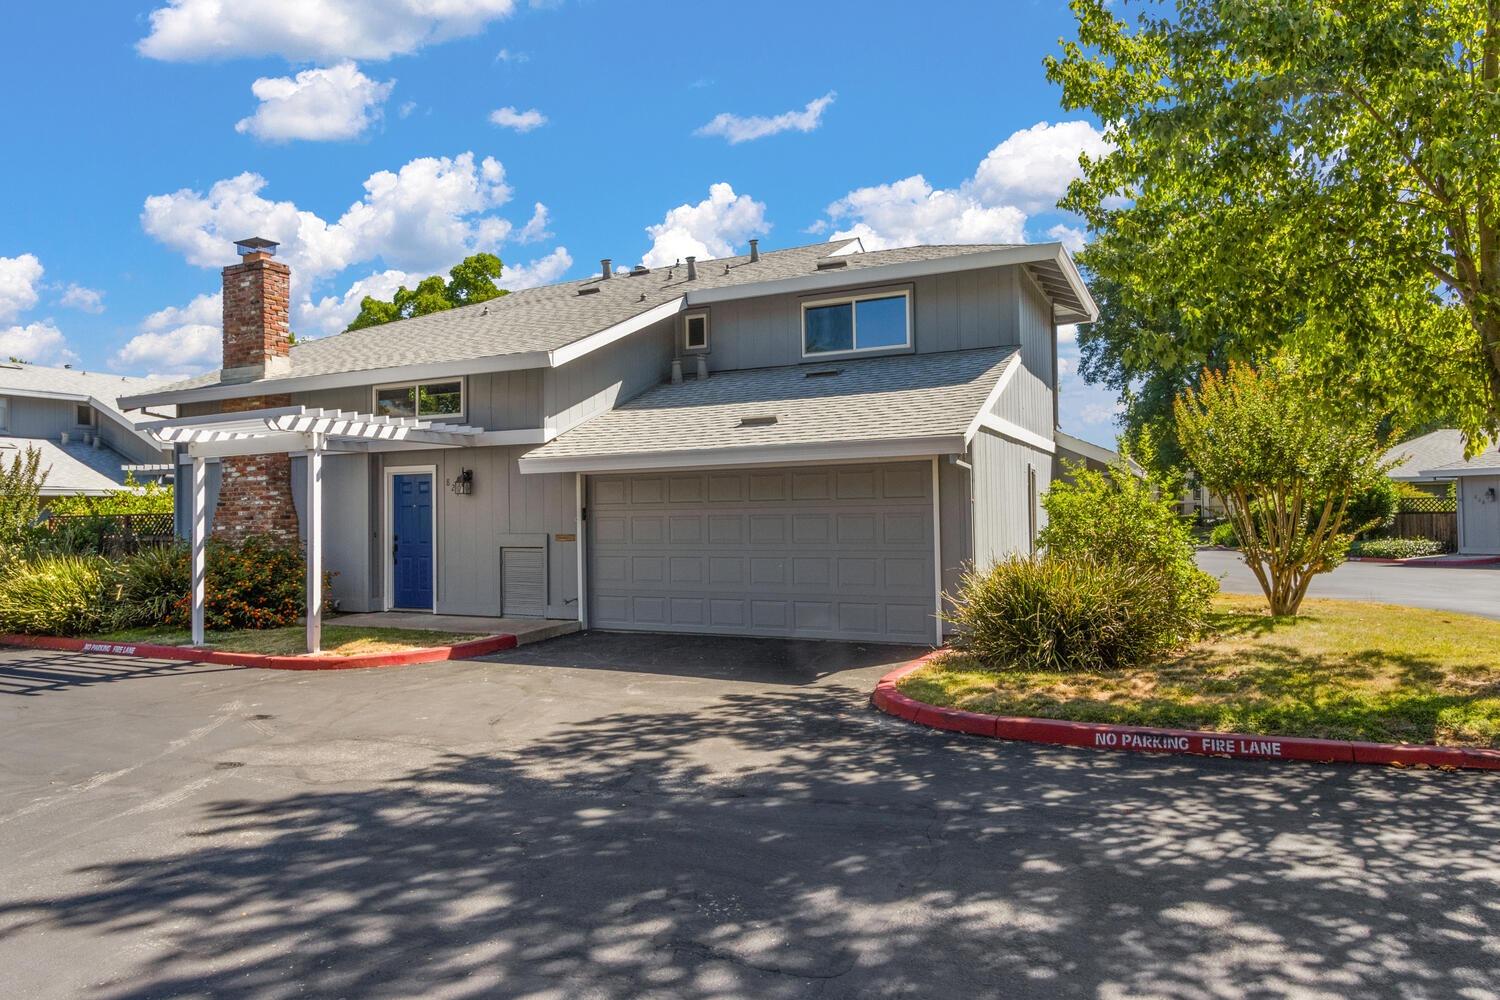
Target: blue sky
<point>381,142</point>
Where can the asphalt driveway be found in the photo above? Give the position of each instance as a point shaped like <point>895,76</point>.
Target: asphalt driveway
<point>605,816</point>
<point>1473,590</point>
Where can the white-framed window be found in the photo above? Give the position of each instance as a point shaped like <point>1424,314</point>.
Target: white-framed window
<point>4,414</point>
<point>439,399</point>
<point>695,331</point>
<point>83,413</point>
<point>853,324</point>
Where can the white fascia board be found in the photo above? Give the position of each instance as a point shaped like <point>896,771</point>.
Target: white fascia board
<point>1075,280</point>
<point>1017,433</point>
<point>786,454</point>
<point>1460,472</point>
<point>609,335</point>
<point>340,380</point>
<point>880,274</point>
<point>993,397</point>
<point>531,435</point>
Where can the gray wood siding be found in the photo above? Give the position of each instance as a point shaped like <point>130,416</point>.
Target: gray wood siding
<point>1000,496</point>
<point>42,418</point>
<point>950,312</point>
<point>602,379</point>
<point>504,502</point>
<point>957,526</point>
<point>496,401</point>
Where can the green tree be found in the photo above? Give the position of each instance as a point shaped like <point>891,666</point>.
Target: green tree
<point>20,497</point>
<point>471,281</point>
<point>1315,177</point>
<point>1286,462</point>
<point>131,498</point>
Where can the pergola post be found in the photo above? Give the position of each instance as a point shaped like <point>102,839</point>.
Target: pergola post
<point>314,508</point>
<point>199,545</point>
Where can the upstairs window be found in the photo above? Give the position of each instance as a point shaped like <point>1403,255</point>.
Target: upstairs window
<point>695,332</point>
<point>874,322</point>
<point>4,414</point>
<point>427,400</point>
<point>84,414</point>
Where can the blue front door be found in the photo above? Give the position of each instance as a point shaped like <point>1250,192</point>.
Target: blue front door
<point>411,542</point>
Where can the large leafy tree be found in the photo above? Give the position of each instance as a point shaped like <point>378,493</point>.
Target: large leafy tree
<point>468,282</point>
<point>1315,177</point>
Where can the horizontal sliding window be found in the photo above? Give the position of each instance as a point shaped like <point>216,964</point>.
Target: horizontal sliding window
<point>421,399</point>
<point>867,323</point>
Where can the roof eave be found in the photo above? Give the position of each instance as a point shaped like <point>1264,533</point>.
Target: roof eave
<point>763,455</point>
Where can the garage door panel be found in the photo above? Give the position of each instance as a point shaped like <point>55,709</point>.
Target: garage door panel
<point>844,552</point>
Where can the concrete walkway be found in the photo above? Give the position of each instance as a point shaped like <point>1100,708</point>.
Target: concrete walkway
<point>1473,590</point>
<point>524,629</point>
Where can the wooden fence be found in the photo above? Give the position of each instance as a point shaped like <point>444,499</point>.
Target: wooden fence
<point>1441,525</point>
<point>115,534</point>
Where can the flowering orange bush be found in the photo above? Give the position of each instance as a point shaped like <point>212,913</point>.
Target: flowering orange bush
<point>258,584</point>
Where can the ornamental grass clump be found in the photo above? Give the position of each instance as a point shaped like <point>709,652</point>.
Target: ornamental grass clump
<point>1062,615</point>
<point>56,595</point>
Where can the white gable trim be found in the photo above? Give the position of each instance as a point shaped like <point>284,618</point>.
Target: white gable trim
<point>783,454</point>
<point>619,331</point>
<point>993,397</point>
<point>1017,433</point>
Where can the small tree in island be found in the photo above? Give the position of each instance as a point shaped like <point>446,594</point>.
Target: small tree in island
<point>1286,463</point>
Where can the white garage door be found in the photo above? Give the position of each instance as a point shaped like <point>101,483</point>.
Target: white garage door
<point>842,552</point>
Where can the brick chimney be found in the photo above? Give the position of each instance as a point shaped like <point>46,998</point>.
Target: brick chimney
<point>255,493</point>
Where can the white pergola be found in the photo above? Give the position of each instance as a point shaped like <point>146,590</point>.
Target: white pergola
<point>292,430</point>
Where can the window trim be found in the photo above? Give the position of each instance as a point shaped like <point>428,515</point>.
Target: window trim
<point>81,408</point>
<point>463,397</point>
<point>852,299</point>
<point>4,413</point>
<point>707,331</point>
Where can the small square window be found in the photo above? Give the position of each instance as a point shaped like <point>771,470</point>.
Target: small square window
<point>85,415</point>
<point>695,336</point>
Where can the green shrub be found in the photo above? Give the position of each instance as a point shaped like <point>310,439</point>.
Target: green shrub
<point>258,584</point>
<point>1223,534</point>
<point>1398,548</point>
<point>20,498</point>
<point>131,498</point>
<point>149,584</point>
<point>56,595</point>
<point>1374,508</point>
<point>1130,521</point>
<point>1064,615</point>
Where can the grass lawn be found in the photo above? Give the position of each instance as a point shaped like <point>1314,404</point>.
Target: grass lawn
<point>1341,670</point>
<point>338,640</point>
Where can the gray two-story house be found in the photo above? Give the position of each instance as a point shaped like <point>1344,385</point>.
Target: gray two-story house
<point>88,443</point>
<point>809,442</point>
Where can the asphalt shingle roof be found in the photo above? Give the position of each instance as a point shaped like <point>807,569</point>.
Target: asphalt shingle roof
<point>549,317</point>
<point>104,388</point>
<point>871,399</point>
<point>71,468</point>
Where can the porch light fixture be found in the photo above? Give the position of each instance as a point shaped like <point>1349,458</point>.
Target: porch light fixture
<point>462,484</point>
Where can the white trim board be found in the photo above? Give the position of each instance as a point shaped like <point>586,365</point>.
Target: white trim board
<point>1017,433</point>
<point>388,512</point>
<point>990,400</point>
<point>786,454</point>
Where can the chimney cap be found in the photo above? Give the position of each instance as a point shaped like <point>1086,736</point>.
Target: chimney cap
<point>256,244</point>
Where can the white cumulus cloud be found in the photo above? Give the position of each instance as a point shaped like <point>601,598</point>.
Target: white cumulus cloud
<point>536,227</point>
<point>521,121</point>
<point>331,313</point>
<point>318,105</point>
<point>1025,173</point>
<point>425,216</point>
<point>19,280</point>
<point>89,300</point>
<point>1069,236</point>
<point>542,271</point>
<point>180,340</point>
<point>40,343</point>
<point>714,227</point>
<point>738,128</point>
<point>312,30</point>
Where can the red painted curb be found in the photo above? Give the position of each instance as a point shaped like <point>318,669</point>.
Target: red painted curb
<point>428,654</point>
<point>1145,739</point>
<point>1426,561</point>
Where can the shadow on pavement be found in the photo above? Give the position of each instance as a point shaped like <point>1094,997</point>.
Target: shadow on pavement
<point>793,843</point>
<point>42,672</point>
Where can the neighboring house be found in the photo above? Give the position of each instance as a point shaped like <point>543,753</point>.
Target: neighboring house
<point>1434,460</point>
<point>88,442</point>
<point>1073,451</point>
<point>811,442</point>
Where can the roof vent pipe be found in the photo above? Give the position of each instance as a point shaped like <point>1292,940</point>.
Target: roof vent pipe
<point>604,268</point>
<point>63,437</point>
<point>754,251</point>
<point>692,263</point>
